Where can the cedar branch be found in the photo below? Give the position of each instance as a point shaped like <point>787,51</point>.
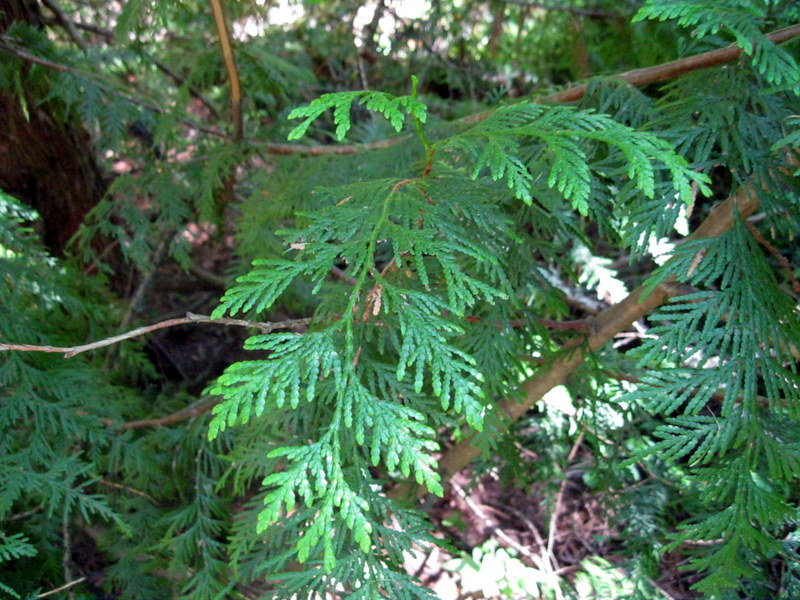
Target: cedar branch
<point>10,46</point>
<point>637,77</point>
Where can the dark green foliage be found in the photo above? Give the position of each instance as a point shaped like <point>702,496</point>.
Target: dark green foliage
<point>740,19</point>
<point>48,448</point>
<point>745,443</point>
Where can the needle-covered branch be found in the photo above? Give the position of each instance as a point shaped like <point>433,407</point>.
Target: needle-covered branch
<point>607,324</point>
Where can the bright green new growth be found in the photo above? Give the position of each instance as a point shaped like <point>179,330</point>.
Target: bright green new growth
<point>394,108</point>
<point>567,135</point>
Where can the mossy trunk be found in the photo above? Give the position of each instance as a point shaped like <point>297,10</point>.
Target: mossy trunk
<point>44,161</point>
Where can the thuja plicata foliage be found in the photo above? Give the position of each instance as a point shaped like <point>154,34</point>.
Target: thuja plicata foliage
<point>420,337</point>
<point>445,245</point>
<point>394,355</point>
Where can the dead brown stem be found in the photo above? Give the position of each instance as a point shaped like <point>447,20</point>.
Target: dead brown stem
<point>70,351</point>
<point>181,415</point>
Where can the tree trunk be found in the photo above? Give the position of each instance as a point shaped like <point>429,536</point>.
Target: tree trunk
<point>44,162</point>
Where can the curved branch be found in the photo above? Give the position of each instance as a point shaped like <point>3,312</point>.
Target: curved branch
<point>186,413</point>
<point>68,26</point>
<point>637,77</point>
<point>675,68</point>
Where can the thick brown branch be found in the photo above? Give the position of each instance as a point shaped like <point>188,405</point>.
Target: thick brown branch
<point>637,77</point>
<point>70,351</point>
<point>230,67</point>
<point>608,323</point>
<point>193,91</point>
<point>68,26</point>
<point>675,68</point>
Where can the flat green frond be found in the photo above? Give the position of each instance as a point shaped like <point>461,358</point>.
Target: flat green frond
<point>314,474</point>
<point>564,136</point>
<point>425,348</point>
<point>15,546</point>
<point>130,16</point>
<point>394,434</point>
<point>393,108</point>
<point>258,289</point>
<point>498,155</point>
<point>295,366</point>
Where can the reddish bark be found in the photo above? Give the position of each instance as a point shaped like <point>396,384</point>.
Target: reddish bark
<point>45,162</point>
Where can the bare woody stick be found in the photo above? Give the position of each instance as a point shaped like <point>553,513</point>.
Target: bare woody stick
<point>608,323</point>
<point>70,351</point>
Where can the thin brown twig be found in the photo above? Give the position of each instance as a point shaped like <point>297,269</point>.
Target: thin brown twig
<point>24,515</point>
<point>551,532</point>
<point>147,278</point>
<point>209,277</point>
<point>68,26</point>
<point>66,586</point>
<point>193,91</point>
<point>341,275</point>
<point>481,514</point>
<point>119,486</point>
<point>580,325</point>
<point>66,544</point>
<point>70,351</point>
<point>9,45</point>
<point>181,415</point>
<point>106,34</point>
<point>6,44</point>
<point>551,564</point>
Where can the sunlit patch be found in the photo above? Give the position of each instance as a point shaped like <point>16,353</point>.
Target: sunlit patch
<point>198,233</point>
